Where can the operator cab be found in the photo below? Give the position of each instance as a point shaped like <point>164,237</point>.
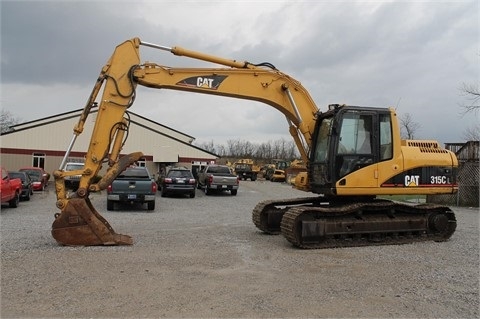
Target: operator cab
<point>346,139</point>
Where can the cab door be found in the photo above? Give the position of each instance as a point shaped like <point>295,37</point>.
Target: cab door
<point>357,145</point>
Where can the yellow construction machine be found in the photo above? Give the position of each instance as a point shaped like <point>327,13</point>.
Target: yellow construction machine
<point>246,168</point>
<point>296,167</point>
<point>286,171</point>
<point>352,154</point>
<point>275,171</point>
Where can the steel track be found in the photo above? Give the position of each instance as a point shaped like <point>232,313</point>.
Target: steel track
<point>312,223</point>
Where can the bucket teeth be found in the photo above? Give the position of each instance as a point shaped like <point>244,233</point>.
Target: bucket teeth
<point>79,224</point>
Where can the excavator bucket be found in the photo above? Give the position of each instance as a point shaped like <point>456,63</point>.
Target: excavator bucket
<point>79,224</point>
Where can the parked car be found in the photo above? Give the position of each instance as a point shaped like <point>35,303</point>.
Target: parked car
<point>133,185</point>
<point>218,178</point>
<point>10,189</point>
<point>38,175</point>
<point>27,184</point>
<point>73,181</point>
<point>179,180</point>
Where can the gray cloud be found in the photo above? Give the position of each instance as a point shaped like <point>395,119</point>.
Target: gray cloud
<point>413,55</point>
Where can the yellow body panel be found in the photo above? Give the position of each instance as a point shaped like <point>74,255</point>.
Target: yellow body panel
<point>406,155</point>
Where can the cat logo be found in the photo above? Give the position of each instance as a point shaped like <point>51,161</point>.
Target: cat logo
<point>211,82</point>
<point>412,180</point>
<point>204,82</point>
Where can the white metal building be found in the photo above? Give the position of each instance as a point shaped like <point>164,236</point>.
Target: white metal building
<point>44,142</point>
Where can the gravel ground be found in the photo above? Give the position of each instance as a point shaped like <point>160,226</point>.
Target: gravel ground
<point>204,258</point>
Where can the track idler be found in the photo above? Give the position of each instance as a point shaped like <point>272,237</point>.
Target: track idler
<point>267,215</point>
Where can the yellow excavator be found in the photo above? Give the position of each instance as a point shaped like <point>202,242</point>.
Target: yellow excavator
<point>352,154</point>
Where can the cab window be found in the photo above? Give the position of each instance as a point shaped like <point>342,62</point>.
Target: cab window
<point>356,134</point>
<point>321,147</point>
<point>386,150</point>
<point>355,147</point>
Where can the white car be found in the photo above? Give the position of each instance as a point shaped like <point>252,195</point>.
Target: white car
<point>73,181</point>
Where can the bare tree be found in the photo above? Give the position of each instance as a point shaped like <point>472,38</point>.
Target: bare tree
<point>221,150</point>
<point>472,93</point>
<point>207,146</point>
<point>248,149</point>
<point>292,151</point>
<point>6,120</point>
<point>472,133</point>
<point>408,127</point>
<point>233,148</point>
<point>262,150</point>
<point>281,148</point>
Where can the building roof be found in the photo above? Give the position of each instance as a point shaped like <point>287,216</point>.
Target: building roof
<point>54,132</point>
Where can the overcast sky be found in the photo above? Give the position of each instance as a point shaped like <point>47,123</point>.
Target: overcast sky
<point>413,55</point>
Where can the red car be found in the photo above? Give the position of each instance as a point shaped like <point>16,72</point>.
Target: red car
<point>39,177</point>
<point>10,189</point>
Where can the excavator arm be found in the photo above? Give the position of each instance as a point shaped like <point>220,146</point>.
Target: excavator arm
<point>79,223</point>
